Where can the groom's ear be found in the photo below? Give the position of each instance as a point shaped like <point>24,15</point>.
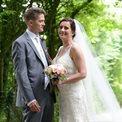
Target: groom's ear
<point>30,23</point>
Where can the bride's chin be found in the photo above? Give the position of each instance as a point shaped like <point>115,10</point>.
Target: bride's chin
<point>62,37</point>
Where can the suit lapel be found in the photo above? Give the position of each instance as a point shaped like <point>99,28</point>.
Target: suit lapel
<point>33,47</point>
<point>45,51</point>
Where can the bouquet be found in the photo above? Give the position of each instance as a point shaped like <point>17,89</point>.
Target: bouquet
<point>56,72</point>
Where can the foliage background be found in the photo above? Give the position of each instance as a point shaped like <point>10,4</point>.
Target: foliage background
<point>102,20</point>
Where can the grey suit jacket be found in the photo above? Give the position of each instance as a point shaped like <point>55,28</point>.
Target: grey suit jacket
<point>29,70</point>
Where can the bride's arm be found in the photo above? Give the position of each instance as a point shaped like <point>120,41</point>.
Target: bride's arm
<point>79,61</point>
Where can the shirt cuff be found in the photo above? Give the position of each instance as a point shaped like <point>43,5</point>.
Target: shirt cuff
<point>31,102</point>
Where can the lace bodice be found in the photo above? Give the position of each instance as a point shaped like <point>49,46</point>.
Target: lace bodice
<point>67,62</point>
<point>72,103</point>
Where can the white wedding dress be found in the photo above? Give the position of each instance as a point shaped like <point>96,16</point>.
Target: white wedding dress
<point>73,103</point>
<point>72,98</point>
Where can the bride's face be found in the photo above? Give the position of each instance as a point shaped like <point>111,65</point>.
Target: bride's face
<point>65,31</point>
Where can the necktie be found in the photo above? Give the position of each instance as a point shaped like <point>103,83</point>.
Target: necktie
<point>42,55</point>
<point>41,52</point>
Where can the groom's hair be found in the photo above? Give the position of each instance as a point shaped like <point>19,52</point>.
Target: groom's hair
<point>32,13</point>
<point>72,24</point>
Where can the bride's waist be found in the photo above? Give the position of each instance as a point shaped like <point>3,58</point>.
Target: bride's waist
<point>73,86</point>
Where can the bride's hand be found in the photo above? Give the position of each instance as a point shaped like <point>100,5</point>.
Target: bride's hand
<point>60,82</point>
<point>55,81</point>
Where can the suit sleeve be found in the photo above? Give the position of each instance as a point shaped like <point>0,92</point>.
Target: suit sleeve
<point>21,73</point>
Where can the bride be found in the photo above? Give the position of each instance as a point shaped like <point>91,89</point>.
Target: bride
<point>86,95</point>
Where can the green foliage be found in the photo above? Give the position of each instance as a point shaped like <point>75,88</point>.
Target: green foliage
<point>56,112</point>
<point>118,89</point>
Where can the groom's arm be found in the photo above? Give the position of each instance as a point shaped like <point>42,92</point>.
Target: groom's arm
<point>20,67</point>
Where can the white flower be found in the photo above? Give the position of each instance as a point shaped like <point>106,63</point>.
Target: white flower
<point>43,37</point>
<point>34,5</point>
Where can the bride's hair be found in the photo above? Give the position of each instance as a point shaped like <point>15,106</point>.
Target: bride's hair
<point>72,24</point>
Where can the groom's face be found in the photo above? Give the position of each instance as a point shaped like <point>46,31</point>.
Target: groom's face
<point>38,24</point>
<point>64,30</point>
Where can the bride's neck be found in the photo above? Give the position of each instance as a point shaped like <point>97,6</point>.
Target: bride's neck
<point>67,44</point>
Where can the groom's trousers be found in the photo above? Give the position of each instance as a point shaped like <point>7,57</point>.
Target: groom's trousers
<point>46,113</point>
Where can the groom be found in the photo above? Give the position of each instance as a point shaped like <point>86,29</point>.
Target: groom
<point>29,59</point>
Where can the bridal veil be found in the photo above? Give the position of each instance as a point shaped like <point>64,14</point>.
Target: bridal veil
<point>102,102</point>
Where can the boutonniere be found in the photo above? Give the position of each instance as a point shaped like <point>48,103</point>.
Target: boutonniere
<point>43,37</point>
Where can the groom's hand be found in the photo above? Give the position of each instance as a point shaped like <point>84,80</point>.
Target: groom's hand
<point>34,106</point>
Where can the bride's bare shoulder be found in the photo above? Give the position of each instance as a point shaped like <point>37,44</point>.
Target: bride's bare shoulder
<point>75,47</point>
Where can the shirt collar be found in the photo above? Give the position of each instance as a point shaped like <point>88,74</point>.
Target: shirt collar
<point>31,34</point>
